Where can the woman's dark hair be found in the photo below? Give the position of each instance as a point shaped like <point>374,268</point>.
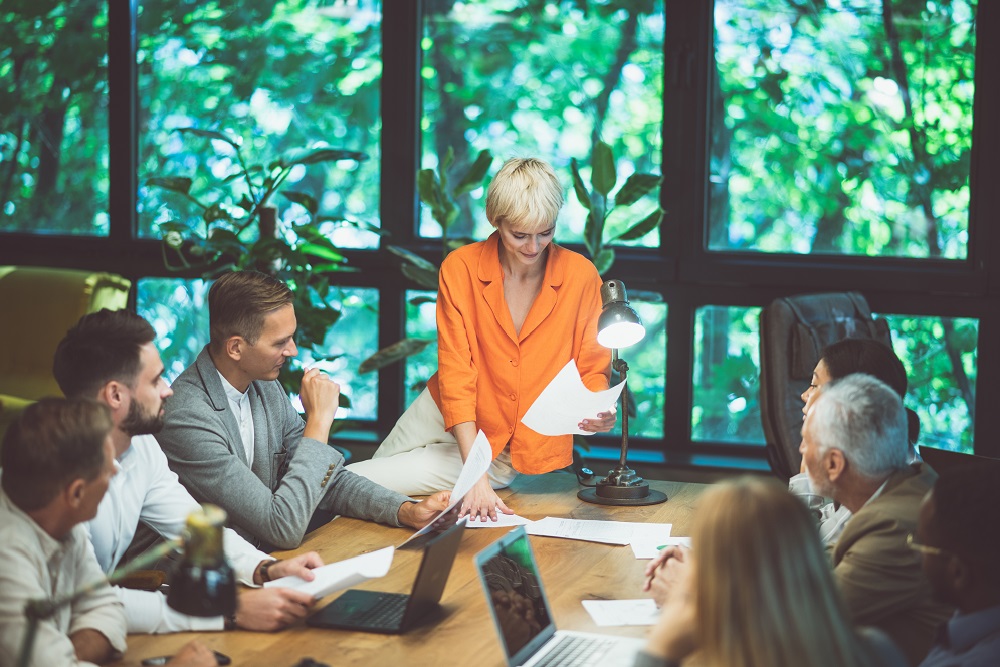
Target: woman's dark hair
<point>865,355</point>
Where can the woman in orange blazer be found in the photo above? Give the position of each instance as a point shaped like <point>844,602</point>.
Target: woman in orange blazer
<point>511,312</point>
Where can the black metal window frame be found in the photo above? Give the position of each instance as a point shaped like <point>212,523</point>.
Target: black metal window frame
<point>681,269</point>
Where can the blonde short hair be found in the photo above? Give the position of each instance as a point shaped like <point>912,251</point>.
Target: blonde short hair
<point>525,194</point>
<point>764,590</point>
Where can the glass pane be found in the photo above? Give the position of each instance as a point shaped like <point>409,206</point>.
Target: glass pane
<point>726,371</point>
<point>281,76</point>
<point>543,78</point>
<point>54,117</point>
<point>178,310</point>
<point>939,355</point>
<point>831,136</point>
<point>647,360</point>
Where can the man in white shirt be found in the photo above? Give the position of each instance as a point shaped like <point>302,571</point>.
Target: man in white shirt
<point>110,356</point>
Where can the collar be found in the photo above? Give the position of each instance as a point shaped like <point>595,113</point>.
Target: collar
<point>489,269</point>
<point>232,393</point>
<point>878,491</point>
<point>963,631</point>
<point>210,375</point>
<point>50,545</point>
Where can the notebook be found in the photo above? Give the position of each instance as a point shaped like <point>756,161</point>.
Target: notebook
<point>395,613</point>
<point>523,618</point>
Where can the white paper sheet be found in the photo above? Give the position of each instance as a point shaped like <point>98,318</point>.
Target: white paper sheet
<point>608,532</point>
<point>646,549</point>
<point>503,521</point>
<point>338,576</point>
<point>475,466</point>
<point>622,612</point>
<point>566,401</point>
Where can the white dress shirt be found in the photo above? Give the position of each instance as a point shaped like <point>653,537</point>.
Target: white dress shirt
<point>145,489</point>
<point>239,403</point>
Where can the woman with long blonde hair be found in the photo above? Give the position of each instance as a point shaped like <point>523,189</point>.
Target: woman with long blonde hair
<point>757,590</point>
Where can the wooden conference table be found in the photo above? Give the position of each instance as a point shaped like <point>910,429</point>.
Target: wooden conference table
<point>571,571</point>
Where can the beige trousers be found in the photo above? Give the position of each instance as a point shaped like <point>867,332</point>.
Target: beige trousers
<point>419,457</point>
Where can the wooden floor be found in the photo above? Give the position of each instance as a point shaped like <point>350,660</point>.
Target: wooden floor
<point>571,571</point>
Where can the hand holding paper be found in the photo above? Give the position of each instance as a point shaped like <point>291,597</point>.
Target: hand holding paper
<point>566,401</point>
<point>338,576</point>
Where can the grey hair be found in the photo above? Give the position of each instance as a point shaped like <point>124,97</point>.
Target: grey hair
<point>865,419</point>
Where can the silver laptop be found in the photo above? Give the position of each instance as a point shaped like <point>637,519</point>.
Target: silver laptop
<point>523,618</point>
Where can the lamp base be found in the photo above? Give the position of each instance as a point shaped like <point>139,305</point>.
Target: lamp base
<point>622,486</point>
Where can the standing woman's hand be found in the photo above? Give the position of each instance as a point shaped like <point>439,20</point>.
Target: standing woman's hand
<point>482,502</point>
<point>604,422</point>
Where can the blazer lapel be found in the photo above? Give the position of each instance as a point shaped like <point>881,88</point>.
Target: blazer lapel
<point>491,273</point>
<point>261,454</point>
<point>546,299</point>
<point>220,402</point>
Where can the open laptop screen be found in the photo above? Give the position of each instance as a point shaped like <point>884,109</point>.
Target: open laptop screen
<point>513,588</point>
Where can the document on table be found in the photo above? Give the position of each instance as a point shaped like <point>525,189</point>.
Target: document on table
<point>609,532</point>
<point>475,466</point>
<point>338,576</point>
<point>566,401</point>
<point>622,612</point>
<point>646,548</point>
<point>503,521</point>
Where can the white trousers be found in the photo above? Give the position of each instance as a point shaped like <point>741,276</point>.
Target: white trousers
<point>419,457</point>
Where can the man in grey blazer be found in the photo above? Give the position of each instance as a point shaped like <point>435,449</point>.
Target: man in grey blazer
<point>234,439</point>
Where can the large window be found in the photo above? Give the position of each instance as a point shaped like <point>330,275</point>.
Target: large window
<point>803,146</point>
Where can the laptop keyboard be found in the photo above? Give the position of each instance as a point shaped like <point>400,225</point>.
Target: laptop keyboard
<point>386,613</point>
<point>576,651</point>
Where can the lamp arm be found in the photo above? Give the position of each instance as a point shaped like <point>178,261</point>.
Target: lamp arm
<point>622,368</point>
<point>41,609</point>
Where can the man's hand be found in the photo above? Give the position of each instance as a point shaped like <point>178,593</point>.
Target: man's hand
<point>269,609</point>
<point>320,397</point>
<point>665,571</point>
<point>605,422</point>
<point>418,515</point>
<point>300,566</point>
<point>90,645</point>
<point>194,654</point>
<point>482,502</point>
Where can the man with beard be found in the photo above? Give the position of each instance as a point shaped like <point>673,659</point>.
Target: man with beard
<point>110,356</point>
<point>855,450</point>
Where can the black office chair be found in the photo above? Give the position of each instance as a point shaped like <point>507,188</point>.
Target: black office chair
<point>793,333</point>
<point>943,459</point>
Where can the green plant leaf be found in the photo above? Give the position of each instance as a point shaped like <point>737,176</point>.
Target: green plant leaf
<point>230,139</point>
<point>304,199</point>
<point>216,211</point>
<point>640,229</point>
<point>323,252</point>
<point>637,186</point>
<point>429,188</point>
<point>412,259</point>
<point>420,300</point>
<point>602,168</point>
<point>390,355</point>
<point>422,277</point>
<point>181,184</point>
<point>593,229</point>
<point>604,259</point>
<point>317,155</point>
<point>578,185</point>
<point>474,177</point>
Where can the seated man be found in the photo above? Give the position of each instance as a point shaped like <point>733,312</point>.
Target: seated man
<point>235,440</point>
<point>856,449</point>
<point>109,356</point>
<point>958,536</point>
<point>57,461</point>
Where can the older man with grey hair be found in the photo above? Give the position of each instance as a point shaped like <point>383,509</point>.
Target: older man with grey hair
<point>855,449</point>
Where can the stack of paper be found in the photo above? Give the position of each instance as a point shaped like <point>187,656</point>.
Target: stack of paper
<point>338,576</point>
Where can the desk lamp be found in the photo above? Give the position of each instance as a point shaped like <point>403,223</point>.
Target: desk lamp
<point>619,326</point>
<point>204,584</point>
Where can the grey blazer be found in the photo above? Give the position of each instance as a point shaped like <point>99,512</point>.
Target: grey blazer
<point>272,502</point>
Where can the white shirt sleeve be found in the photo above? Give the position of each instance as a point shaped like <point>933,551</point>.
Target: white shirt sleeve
<point>148,612</point>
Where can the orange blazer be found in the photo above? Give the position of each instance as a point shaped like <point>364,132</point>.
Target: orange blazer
<point>488,374</point>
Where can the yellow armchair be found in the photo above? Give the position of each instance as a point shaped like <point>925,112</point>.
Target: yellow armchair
<point>37,307</point>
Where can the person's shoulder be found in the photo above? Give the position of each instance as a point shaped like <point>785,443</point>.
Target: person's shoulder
<point>467,255</point>
<point>575,265</point>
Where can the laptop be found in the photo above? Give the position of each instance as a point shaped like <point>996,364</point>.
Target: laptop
<point>523,617</point>
<point>396,613</point>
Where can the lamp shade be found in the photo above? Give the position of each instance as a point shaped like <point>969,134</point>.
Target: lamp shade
<point>204,584</point>
<point>619,325</point>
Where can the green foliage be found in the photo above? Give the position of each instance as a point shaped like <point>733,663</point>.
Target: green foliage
<point>594,198</point>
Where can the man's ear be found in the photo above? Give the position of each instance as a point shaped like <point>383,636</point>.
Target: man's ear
<point>73,492</point>
<point>112,394</point>
<point>834,463</point>
<point>234,347</point>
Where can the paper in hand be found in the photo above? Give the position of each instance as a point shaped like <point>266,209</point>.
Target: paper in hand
<point>566,401</point>
<point>476,464</point>
<point>338,576</point>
